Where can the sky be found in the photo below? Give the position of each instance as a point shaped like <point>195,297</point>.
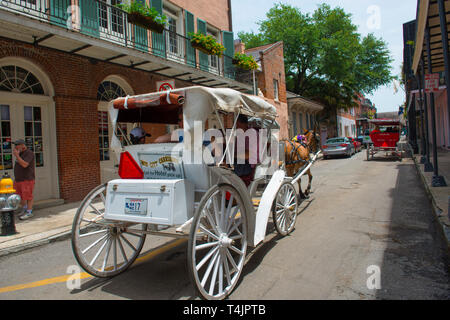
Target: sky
<point>383,18</point>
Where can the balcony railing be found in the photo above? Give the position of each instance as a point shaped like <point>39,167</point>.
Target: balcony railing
<point>101,20</point>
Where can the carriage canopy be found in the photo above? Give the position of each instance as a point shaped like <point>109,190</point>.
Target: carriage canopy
<point>197,103</point>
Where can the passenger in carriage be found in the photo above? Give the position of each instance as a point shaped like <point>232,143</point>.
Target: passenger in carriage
<point>174,136</point>
<point>243,170</point>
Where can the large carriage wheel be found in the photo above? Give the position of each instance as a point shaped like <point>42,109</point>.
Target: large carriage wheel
<point>103,248</point>
<point>218,242</point>
<point>285,208</point>
<point>368,152</point>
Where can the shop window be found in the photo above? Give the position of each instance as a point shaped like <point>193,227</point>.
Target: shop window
<point>19,80</point>
<point>33,133</point>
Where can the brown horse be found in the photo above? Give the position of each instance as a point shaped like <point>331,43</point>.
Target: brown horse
<point>297,155</point>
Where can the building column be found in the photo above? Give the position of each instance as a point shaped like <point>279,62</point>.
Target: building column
<point>422,126</point>
<point>437,180</point>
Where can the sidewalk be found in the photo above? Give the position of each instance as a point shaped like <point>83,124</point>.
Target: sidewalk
<point>47,225</point>
<point>440,197</point>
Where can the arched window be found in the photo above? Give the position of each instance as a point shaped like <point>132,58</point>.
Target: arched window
<point>109,90</point>
<point>19,80</point>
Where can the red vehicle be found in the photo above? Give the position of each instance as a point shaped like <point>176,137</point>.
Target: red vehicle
<point>385,138</point>
<point>356,143</point>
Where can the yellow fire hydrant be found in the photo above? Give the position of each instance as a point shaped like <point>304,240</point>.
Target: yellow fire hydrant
<point>9,202</point>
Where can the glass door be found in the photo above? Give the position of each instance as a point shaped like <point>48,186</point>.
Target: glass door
<point>28,122</point>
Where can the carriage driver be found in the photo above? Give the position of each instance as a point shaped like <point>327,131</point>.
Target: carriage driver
<point>137,135</point>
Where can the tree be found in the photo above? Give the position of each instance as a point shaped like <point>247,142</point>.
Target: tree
<point>325,57</point>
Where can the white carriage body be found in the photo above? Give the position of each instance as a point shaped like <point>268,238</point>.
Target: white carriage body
<point>161,202</point>
<point>167,185</point>
<point>176,203</point>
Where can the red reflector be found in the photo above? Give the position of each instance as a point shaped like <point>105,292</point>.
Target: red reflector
<point>128,167</point>
<point>324,147</point>
<point>343,145</point>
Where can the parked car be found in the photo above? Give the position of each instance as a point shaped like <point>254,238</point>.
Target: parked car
<point>338,147</point>
<point>356,143</point>
<point>361,140</point>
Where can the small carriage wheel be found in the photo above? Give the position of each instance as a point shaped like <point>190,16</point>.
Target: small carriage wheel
<point>103,248</point>
<point>218,242</point>
<point>285,208</point>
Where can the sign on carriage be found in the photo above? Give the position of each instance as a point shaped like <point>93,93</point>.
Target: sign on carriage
<point>161,166</point>
<point>432,82</point>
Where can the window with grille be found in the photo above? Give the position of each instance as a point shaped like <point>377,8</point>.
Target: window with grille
<point>172,34</point>
<point>107,91</point>
<point>103,135</point>
<point>33,133</point>
<point>110,17</point>
<point>19,80</point>
<point>6,150</point>
<point>275,89</point>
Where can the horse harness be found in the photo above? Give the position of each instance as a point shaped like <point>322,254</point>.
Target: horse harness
<point>295,150</point>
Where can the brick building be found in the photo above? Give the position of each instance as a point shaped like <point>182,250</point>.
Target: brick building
<point>61,61</point>
<point>270,79</point>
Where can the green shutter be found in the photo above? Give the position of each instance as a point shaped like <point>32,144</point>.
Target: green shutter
<point>202,57</point>
<point>228,43</point>
<point>190,51</point>
<point>89,17</point>
<point>140,35</point>
<point>58,12</point>
<point>158,40</point>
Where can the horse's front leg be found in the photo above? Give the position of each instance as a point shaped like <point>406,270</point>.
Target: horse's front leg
<point>310,177</point>
<point>301,195</point>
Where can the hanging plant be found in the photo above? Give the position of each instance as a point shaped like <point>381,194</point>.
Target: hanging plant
<point>143,16</point>
<point>244,61</point>
<point>206,44</point>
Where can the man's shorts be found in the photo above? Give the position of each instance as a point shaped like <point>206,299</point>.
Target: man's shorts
<point>25,189</point>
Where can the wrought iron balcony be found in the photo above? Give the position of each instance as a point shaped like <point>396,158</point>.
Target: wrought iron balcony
<point>101,20</point>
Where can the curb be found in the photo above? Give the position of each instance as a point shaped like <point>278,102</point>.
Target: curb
<point>37,243</point>
<point>445,230</point>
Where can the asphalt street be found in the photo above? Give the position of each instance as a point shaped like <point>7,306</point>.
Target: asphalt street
<point>366,232</point>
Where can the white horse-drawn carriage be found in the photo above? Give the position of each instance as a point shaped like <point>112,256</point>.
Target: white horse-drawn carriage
<point>165,190</point>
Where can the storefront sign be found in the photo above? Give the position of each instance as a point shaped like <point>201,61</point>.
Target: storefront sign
<point>432,82</point>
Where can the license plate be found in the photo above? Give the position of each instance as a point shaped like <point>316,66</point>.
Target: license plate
<point>136,206</point>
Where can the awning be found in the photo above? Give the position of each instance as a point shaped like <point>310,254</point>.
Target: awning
<point>429,13</point>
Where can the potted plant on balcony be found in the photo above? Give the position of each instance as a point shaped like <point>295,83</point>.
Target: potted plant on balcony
<point>141,15</point>
<point>244,61</point>
<point>206,44</point>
